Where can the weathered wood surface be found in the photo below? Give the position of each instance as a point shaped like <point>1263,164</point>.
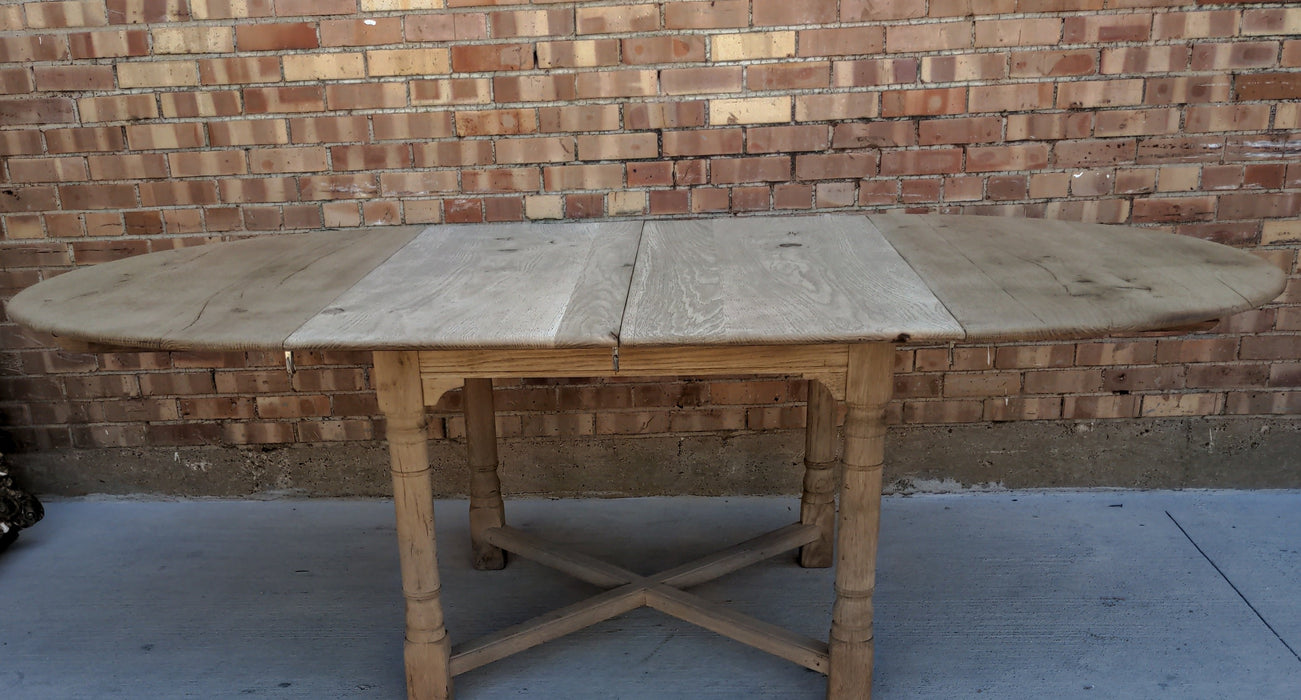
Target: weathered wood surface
<point>828,279</point>
<point>776,280</point>
<point>1028,279</point>
<point>488,286</point>
<point>249,294</point>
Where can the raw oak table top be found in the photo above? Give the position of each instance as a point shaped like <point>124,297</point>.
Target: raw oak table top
<point>769,280</point>
<point>827,298</point>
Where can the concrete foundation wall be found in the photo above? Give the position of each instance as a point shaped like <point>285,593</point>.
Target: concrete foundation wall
<point>1150,453</point>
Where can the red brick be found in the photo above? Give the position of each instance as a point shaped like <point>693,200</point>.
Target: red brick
<point>47,110</point>
<point>935,161</point>
<point>498,121</point>
<point>1227,118</point>
<point>627,146</point>
<point>477,58</point>
<point>530,23</point>
<point>942,411</point>
<point>1237,55</point>
<point>578,54</point>
<point>835,166</point>
<point>960,130</point>
<point>446,27</point>
<point>326,187</point>
<point>689,81</point>
<point>769,13</point>
<point>1260,205</point>
<point>502,180</point>
<point>718,14</point>
<point>1017,97</point>
<point>656,174</point>
<point>1172,149</point>
<point>547,149</point>
<point>47,169</point>
<point>1099,93</point>
<point>1268,86</point>
<point>75,78</point>
<point>874,10</point>
<point>1136,122</point>
<point>621,83</point>
<point>1035,64</point>
<point>412,184</point>
<point>963,67</point>
<point>1039,31</point>
<point>71,13</point>
<point>178,193</point>
<point>945,36</point>
<point>663,49</point>
<point>789,76</point>
<point>42,47</point>
<point>276,37</point>
<point>612,19</point>
<point>1106,28</point>
<point>703,142</point>
<point>811,108</point>
<point>842,41</point>
<point>1209,88</point>
<point>249,69</point>
<point>758,169</point>
<point>414,126</point>
<point>1194,25</point>
<point>371,157</point>
<point>365,95</point>
<point>1145,59</point>
<point>592,118</point>
<point>785,139</point>
<point>1174,209</point>
<point>465,91</point>
<point>582,177</point>
<point>897,103</point>
<point>1096,407</point>
<point>356,32</point>
<point>874,72</point>
<point>287,8</point>
<point>305,98</point>
<point>880,134</point>
<point>337,129</point>
<point>265,189</point>
<point>664,115</point>
<point>452,153</point>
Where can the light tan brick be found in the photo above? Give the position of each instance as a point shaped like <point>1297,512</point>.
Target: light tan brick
<point>157,74</point>
<point>752,110</point>
<point>324,66</point>
<point>755,45</point>
<point>193,40</point>
<point>408,61</point>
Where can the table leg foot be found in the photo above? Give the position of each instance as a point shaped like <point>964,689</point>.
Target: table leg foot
<point>818,501</point>
<point>429,676</point>
<point>427,649</point>
<point>486,507</point>
<point>869,385</point>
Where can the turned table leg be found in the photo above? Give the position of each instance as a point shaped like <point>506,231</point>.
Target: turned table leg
<point>486,508</point>
<point>868,388</point>
<point>818,502</point>
<point>428,649</point>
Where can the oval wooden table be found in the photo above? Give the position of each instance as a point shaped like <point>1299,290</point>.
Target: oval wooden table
<point>825,297</point>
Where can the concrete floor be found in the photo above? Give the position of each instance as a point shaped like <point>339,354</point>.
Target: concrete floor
<point>1103,594</point>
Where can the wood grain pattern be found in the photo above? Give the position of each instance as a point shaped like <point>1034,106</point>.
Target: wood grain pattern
<point>488,286</point>
<point>1027,279</point>
<point>249,294</point>
<point>779,280</point>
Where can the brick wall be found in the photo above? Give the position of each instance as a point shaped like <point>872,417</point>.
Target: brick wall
<point>136,125</point>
